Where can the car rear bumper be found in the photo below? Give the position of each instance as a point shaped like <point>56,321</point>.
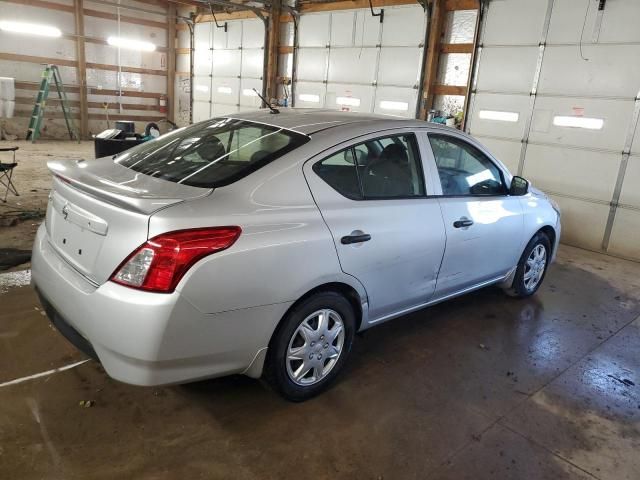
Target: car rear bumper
<point>146,338</point>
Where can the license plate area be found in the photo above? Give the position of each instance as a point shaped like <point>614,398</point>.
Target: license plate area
<point>79,246</point>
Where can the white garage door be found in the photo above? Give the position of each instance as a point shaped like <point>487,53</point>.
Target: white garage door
<point>556,100</point>
<point>227,67</point>
<point>349,60</point>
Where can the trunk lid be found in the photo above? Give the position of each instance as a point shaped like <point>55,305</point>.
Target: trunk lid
<point>99,211</point>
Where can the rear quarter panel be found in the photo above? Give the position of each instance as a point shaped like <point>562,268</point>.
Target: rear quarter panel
<point>284,251</point>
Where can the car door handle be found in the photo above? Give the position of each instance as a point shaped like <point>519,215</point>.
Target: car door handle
<point>463,222</point>
<point>349,239</point>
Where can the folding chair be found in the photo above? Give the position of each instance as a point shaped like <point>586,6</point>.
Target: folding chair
<point>6,172</point>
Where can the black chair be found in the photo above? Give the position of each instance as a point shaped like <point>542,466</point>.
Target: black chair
<point>6,172</point>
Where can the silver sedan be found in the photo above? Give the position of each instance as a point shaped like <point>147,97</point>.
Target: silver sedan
<point>261,243</point>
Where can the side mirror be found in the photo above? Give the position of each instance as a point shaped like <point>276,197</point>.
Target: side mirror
<point>519,186</point>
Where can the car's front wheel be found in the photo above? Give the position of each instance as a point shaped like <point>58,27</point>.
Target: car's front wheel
<point>311,346</point>
<point>532,267</point>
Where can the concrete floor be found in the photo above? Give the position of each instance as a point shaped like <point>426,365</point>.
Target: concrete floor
<point>484,386</point>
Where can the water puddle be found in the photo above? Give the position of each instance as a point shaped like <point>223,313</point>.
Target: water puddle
<point>14,279</point>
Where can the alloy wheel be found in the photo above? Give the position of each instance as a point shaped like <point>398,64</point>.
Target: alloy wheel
<point>534,267</point>
<point>315,347</point>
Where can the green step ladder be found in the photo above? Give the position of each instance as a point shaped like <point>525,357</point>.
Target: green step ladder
<point>50,73</point>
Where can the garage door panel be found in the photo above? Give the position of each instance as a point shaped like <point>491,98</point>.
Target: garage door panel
<point>231,39</point>
<point>635,146</point>
<point>620,22</point>
<point>226,63</point>
<point>630,193</point>
<point>367,28</point>
<point>202,36</point>
<point>507,69</point>
<point>565,72</point>
<point>252,62</point>
<point>567,20</point>
<point>583,223</point>
<point>248,98</point>
<point>225,90</point>
<point>353,98</point>
<point>490,102</point>
<point>223,109</point>
<point>625,233</point>
<point>310,94</point>
<point>352,65</point>
<point>342,28</point>
<point>572,172</point>
<point>403,25</point>
<point>616,115</point>
<point>514,22</point>
<point>202,88</point>
<point>312,64</point>
<point>396,101</point>
<point>201,111</point>
<point>252,34</point>
<point>202,62</point>
<point>314,30</point>
<point>508,152</point>
<point>399,66</point>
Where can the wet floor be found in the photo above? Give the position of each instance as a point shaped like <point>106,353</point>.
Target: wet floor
<point>484,386</point>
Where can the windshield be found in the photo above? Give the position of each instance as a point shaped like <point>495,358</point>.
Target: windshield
<point>212,153</point>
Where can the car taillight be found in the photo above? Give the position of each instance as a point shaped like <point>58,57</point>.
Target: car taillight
<point>160,263</point>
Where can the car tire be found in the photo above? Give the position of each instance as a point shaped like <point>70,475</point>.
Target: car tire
<point>303,343</point>
<point>532,267</point>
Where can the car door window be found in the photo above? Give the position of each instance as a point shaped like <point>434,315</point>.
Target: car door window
<point>339,171</point>
<point>383,168</point>
<point>463,169</point>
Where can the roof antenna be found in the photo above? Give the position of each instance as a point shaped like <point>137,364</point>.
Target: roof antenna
<point>273,109</point>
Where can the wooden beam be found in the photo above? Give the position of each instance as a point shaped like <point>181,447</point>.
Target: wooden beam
<point>43,4</point>
<point>82,67</point>
<point>115,68</point>
<point>125,18</point>
<point>21,85</point>
<point>171,62</point>
<point>239,15</point>
<point>272,44</point>
<point>456,48</point>
<point>35,59</point>
<point>351,4</point>
<point>135,118</point>
<point>284,49</point>
<point>461,5</point>
<point>436,23</point>
<point>183,51</point>
<point>76,104</point>
<point>88,12</point>
<point>440,89</point>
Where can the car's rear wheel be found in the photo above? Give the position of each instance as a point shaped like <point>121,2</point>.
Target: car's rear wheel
<point>532,267</point>
<point>311,346</point>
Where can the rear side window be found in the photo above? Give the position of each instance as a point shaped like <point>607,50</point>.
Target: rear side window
<point>384,168</point>
<point>211,154</point>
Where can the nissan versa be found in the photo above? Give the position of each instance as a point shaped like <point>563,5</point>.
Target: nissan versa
<point>261,243</point>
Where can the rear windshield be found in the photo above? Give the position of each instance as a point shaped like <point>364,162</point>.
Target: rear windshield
<point>212,153</point>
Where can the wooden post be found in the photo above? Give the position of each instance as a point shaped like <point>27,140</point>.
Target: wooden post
<point>436,22</point>
<point>171,62</point>
<point>81,68</point>
<point>272,45</point>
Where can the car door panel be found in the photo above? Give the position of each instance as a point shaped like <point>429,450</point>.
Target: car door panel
<point>398,265</point>
<point>483,232</point>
